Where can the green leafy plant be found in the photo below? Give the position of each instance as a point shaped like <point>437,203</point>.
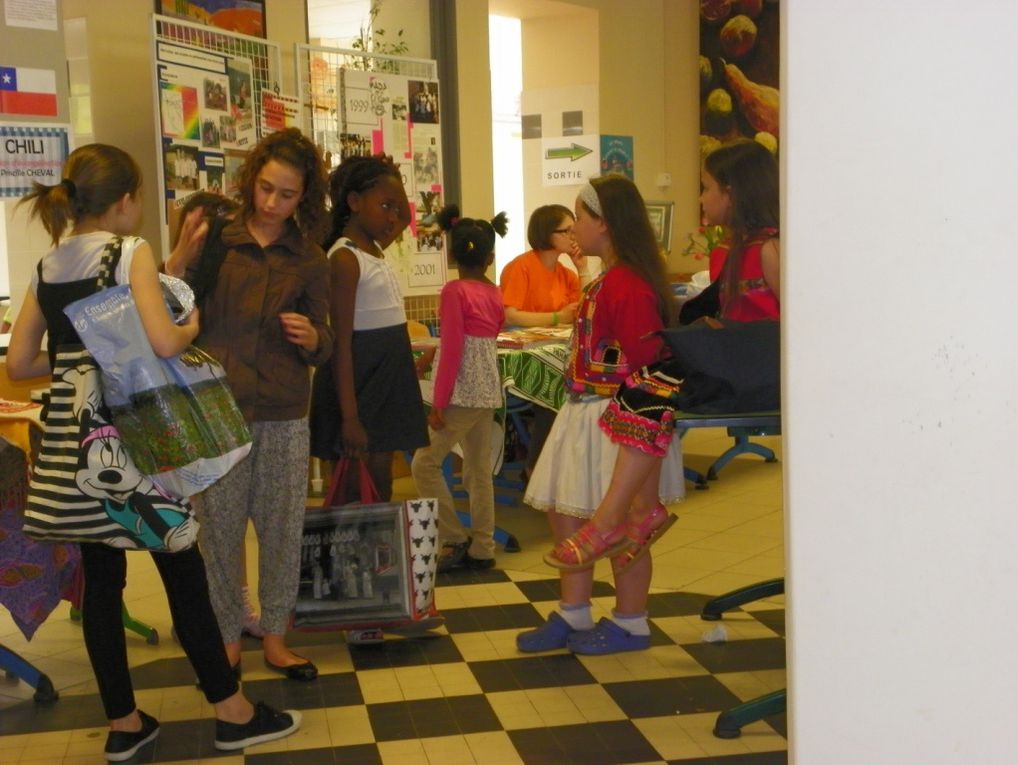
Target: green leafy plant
<point>372,40</point>
<point>703,240</point>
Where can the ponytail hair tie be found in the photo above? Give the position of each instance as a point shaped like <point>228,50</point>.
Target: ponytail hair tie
<point>69,187</point>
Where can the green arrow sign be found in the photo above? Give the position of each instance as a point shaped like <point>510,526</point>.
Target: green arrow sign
<point>572,152</point>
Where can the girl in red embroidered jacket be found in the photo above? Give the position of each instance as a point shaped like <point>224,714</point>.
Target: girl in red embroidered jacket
<point>611,339</point>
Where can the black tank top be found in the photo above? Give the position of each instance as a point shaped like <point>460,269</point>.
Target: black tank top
<point>53,298</point>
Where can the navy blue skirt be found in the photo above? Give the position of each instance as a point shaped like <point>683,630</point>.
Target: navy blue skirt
<point>389,400</point>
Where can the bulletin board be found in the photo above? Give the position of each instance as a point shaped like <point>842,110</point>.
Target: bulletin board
<point>362,104</point>
<point>208,92</point>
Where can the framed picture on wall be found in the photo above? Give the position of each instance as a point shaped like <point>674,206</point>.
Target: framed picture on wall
<point>246,17</point>
<point>660,214</point>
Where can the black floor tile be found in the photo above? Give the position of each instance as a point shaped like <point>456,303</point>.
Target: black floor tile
<point>410,652</point>
<point>484,618</point>
<point>391,721</point>
<point>361,754</point>
<point>332,690</point>
<point>661,604</point>
<point>550,671</point>
<point>66,713</point>
<point>320,756</point>
<point>186,740</point>
<point>461,576</point>
<point>603,743</point>
<point>163,673</point>
<point>538,590</point>
<point>739,655</point>
<point>670,696</point>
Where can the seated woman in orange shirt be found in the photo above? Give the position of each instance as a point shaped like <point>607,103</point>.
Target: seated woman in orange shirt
<point>537,290</point>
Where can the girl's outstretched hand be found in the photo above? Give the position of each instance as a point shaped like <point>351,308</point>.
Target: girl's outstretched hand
<point>299,331</point>
<point>193,230</point>
<point>355,438</point>
<point>435,419</point>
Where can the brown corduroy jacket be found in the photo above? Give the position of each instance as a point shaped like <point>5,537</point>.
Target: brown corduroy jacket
<point>240,323</point>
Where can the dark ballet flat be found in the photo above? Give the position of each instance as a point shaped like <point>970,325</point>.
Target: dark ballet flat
<point>302,672</point>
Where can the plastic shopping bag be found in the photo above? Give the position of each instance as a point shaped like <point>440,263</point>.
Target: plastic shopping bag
<point>177,417</point>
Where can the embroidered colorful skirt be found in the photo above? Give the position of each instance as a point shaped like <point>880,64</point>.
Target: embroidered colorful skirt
<point>642,412</point>
<point>576,464</point>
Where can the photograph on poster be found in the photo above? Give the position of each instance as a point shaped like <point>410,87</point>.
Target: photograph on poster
<point>231,173</point>
<point>430,202</point>
<point>426,173</point>
<point>215,89</point>
<point>354,145</point>
<point>353,566</point>
<point>181,167</point>
<point>423,96</point>
<point>430,237</point>
<point>399,109</point>
<point>213,180</point>
<point>227,129</point>
<point>179,109</point>
<point>238,71</point>
<point>210,137</point>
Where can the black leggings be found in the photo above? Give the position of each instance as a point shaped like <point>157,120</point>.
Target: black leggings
<point>187,590</point>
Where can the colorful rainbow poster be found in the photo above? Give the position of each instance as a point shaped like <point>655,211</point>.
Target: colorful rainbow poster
<point>179,111</point>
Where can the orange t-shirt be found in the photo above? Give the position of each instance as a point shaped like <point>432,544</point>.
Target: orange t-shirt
<point>528,286</point>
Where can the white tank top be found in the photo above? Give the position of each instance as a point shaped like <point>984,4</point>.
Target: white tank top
<point>379,300</point>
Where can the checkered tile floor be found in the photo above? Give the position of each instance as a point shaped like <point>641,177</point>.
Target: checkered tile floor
<point>466,695</point>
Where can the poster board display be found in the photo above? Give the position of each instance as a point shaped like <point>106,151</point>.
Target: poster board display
<point>383,112</point>
<point>209,90</point>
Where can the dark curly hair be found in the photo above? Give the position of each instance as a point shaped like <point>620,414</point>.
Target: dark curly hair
<point>355,174</point>
<point>293,148</point>
<point>471,241</point>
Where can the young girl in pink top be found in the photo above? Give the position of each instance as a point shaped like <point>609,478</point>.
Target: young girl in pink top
<point>467,392</point>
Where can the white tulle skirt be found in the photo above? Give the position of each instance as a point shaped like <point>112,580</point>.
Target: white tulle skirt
<point>576,463</point>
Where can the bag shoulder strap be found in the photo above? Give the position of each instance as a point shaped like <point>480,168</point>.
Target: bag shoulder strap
<point>213,255</point>
<point>108,263</point>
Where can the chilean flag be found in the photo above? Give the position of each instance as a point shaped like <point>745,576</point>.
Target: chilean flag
<point>28,91</point>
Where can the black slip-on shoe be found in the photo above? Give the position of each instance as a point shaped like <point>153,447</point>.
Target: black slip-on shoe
<point>477,564</point>
<point>121,745</point>
<point>267,724</point>
<point>303,672</point>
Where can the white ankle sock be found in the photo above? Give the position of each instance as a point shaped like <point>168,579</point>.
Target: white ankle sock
<point>577,616</point>
<point>635,625</point>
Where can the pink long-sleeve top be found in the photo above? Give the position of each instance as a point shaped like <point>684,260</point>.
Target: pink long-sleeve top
<point>467,309</point>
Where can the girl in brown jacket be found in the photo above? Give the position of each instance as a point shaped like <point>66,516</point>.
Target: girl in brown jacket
<point>265,318</point>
